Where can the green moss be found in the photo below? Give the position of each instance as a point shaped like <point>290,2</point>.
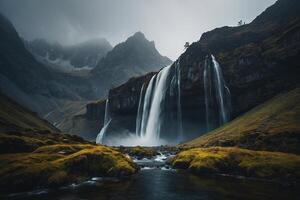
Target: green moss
<point>14,142</point>
<point>58,178</point>
<point>236,161</point>
<point>139,151</point>
<point>56,165</point>
<point>272,126</point>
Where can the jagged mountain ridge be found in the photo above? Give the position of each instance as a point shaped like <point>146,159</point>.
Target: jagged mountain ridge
<point>134,57</point>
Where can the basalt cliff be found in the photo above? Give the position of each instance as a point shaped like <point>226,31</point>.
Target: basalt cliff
<point>258,60</point>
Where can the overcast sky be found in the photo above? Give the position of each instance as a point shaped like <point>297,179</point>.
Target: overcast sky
<point>170,23</point>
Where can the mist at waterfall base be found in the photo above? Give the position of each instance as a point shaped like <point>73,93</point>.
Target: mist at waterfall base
<point>159,119</point>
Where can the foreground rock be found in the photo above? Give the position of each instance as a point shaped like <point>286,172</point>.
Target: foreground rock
<point>239,162</point>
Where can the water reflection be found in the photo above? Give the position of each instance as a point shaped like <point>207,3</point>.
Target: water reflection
<point>168,184</point>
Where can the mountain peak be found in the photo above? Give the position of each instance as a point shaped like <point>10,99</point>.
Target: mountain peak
<point>134,57</point>
<point>139,34</point>
<point>138,37</point>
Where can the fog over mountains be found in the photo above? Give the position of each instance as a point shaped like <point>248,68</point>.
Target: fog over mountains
<point>170,23</point>
<point>35,75</point>
<point>68,58</point>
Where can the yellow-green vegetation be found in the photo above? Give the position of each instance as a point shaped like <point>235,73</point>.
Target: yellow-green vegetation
<point>237,161</point>
<point>138,151</point>
<point>15,117</point>
<point>14,142</point>
<point>55,165</point>
<point>272,126</point>
<point>34,154</point>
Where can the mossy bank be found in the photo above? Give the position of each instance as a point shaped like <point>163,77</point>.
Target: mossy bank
<point>239,162</point>
<point>61,164</point>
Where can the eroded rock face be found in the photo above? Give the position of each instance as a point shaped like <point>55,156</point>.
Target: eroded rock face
<point>258,60</point>
<point>125,98</point>
<point>95,110</point>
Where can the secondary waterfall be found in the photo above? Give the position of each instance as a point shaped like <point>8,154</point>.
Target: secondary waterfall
<point>177,81</point>
<point>106,122</point>
<point>156,106</point>
<point>217,94</point>
<point>139,113</point>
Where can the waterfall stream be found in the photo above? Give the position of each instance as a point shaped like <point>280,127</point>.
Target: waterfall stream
<point>106,122</point>
<point>139,113</point>
<point>159,114</point>
<point>217,94</point>
<point>154,120</point>
<point>179,111</point>
<point>154,108</point>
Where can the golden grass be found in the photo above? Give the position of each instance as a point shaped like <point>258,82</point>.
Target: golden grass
<point>13,116</point>
<point>277,118</point>
<point>139,151</point>
<point>14,142</point>
<point>56,165</point>
<point>237,161</point>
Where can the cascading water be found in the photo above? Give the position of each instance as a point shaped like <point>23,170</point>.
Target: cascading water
<point>139,113</point>
<point>154,105</point>
<point>216,93</point>
<point>146,107</point>
<point>107,120</point>
<point>155,118</point>
<point>177,78</point>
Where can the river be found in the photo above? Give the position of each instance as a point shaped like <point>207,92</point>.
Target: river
<point>157,181</point>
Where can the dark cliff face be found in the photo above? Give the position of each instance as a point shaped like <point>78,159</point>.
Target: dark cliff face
<point>258,60</point>
<point>95,110</point>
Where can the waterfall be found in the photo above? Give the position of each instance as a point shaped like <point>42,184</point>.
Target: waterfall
<point>146,107</point>
<point>217,94</point>
<point>151,107</point>
<point>178,107</point>
<point>156,106</point>
<point>154,122</point>
<point>106,122</point>
<point>139,113</point>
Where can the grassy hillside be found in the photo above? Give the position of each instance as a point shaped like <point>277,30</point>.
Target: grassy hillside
<point>14,117</point>
<point>273,126</point>
<point>237,161</point>
<point>34,154</point>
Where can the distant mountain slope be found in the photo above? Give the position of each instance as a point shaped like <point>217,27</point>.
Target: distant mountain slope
<point>29,82</point>
<point>67,58</point>
<point>136,56</point>
<point>273,125</point>
<point>14,117</point>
